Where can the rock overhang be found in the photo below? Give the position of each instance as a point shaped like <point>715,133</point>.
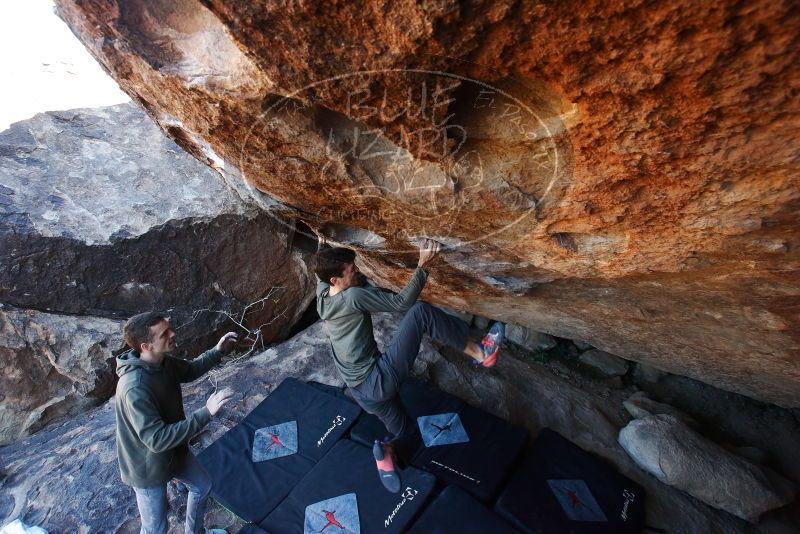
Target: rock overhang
<point>667,235</point>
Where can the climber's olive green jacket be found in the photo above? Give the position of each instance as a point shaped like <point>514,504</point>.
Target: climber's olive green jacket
<point>152,430</point>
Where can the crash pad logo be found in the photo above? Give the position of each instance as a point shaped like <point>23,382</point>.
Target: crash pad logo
<point>442,429</point>
<point>576,500</point>
<point>339,514</point>
<point>275,441</point>
<point>337,421</point>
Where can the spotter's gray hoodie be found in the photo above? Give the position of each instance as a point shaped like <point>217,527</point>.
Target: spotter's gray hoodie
<point>152,429</point>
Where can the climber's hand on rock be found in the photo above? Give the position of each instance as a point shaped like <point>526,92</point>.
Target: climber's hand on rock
<point>227,342</point>
<point>217,400</point>
<point>428,249</point>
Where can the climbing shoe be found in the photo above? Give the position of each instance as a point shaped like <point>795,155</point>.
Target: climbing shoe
<point>491,344</point>
<point>386,468</point>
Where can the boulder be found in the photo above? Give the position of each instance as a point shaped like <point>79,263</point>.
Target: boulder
<point>604,363</point>
<point>647,374</point>
<point>658,225</point>
<point>581,345</point>
<point>669,450</point>
<point>102,216</point>
<point>529,339</point>
<point>52,366</point>
<point>481,323</point>
<point>639,405</point>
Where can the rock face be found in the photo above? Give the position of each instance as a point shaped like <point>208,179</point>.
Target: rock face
<point>102,216</point>
<point>666,448</point>
<point>53,365</point>
<point>622,176</point>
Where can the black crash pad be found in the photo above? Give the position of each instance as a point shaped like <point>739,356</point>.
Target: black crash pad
<point>258,462</point>
<point>481,465</point>
<point>336,391</point>
<point>462,445</point>
<point>454,510</point>
<point>251,529</point>
<point>344,488</point>
<point>560,488</point>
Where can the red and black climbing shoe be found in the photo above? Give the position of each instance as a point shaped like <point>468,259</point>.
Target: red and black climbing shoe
<point>491,344</point>
<point>387,471</point>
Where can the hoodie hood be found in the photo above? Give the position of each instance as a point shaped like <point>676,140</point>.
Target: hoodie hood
<point>130,361</point>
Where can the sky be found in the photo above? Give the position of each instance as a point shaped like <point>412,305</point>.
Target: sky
<point>44,66</point>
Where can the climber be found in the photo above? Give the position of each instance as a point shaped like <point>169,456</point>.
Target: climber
<point>344,303</point>
<point>152,429</point>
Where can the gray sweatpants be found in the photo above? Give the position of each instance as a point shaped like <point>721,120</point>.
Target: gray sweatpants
<point>379,393</point>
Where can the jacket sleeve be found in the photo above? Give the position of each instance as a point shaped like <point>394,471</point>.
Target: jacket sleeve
<point>372,299</point>
<point>189,370</point>
<point>157,435</point>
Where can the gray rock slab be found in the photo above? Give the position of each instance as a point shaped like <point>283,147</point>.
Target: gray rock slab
<point>95,175</point>
<point>669,450</point>
<point>52,366</point>
<point>604,363</point>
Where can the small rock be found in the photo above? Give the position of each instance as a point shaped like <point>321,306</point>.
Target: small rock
<point>614,382</point>
<point>604,363</point>
<point>672,452</point>
<point>530,339</point>
<point>582,345</point>
<point>481,323</point>
<point>639,406</point>
<point>647,373</point>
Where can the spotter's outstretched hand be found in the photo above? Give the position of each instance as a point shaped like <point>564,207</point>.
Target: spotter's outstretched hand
<point>428,249</point>
<point>227,342</point>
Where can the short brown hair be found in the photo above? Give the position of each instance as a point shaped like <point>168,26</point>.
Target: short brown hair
<point>331,262</point>
<point>137,329</point>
